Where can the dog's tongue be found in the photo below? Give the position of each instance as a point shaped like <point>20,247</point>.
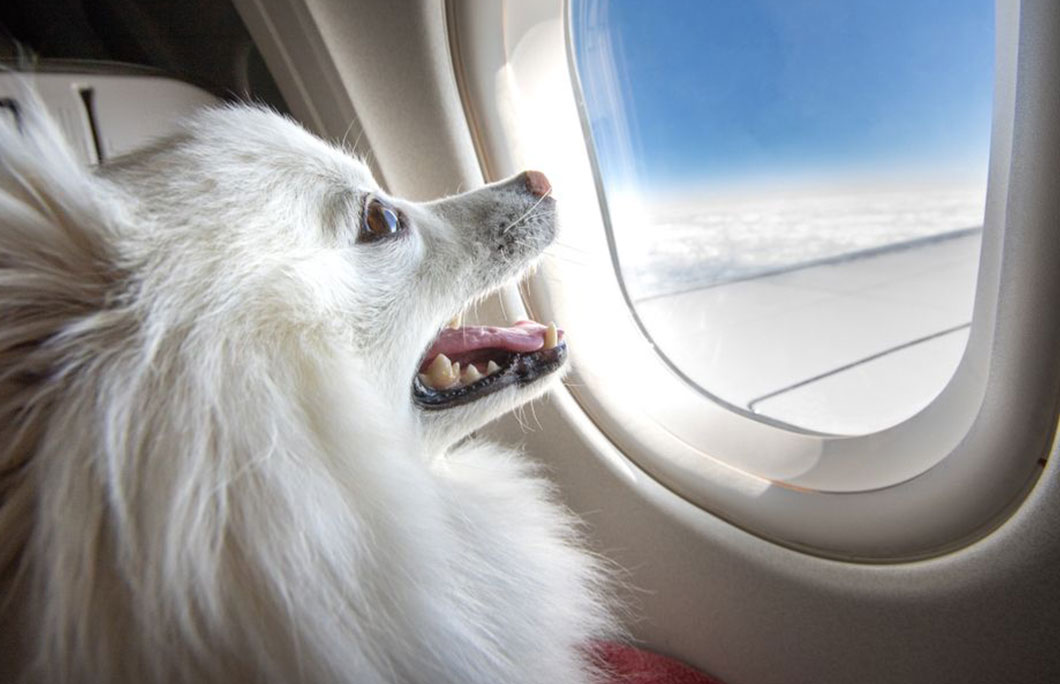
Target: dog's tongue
<point>524,336</point>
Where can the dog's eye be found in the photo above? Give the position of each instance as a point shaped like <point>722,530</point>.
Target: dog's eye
<point>380,221</point>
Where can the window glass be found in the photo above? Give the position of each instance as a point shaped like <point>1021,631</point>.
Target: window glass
<point>795,192</point>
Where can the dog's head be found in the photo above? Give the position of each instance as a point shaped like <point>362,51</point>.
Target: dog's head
<point>261,227</point>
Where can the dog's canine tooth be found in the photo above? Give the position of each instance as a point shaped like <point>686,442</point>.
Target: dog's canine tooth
<point>492,368</point>
<point>457,321</point>
<point>551,336</point>
<point>440,373</point>
<point>471,374</point>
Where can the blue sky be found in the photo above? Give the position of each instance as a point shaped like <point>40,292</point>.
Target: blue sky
<point>721,91</point>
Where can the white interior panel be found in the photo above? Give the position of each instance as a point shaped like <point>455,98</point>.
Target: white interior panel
<point>750,612</point>
<point>106,115</point>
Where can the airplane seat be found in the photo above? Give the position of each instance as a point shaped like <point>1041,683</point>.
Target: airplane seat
<point>631,665</point>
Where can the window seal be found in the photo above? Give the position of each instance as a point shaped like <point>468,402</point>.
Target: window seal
<point>904,493</point>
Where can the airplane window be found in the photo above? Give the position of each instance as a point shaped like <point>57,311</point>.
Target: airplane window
<point>795,193</point>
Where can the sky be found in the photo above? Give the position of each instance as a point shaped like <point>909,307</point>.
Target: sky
<point>732,91</point>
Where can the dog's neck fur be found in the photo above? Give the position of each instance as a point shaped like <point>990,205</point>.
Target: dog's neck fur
<point>167,473</point>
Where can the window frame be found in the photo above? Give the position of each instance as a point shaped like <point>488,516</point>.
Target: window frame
<point>932,483</point>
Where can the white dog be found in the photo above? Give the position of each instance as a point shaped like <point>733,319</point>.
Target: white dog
<point>224,453</point>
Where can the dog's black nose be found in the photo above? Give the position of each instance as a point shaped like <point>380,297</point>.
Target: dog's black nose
<point>536,183</point>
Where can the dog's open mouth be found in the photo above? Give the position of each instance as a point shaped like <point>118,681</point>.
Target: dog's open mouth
<point>467,363</point>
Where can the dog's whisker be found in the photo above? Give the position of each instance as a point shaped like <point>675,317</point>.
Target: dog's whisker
<point>533,412</point>
<point>561,245</point>
<point>566,259</point>
<point>527,212</point>
<point>346,133</point>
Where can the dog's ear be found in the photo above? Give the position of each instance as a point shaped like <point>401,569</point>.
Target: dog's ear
<point>56,215</point>
<point>57,222</point>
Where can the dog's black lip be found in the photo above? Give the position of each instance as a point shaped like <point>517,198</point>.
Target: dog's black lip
<point>518,368</point>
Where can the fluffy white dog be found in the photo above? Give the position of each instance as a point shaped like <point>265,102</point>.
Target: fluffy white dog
<point>224,453</point>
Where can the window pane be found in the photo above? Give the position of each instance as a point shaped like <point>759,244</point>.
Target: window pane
<point>795,192</point>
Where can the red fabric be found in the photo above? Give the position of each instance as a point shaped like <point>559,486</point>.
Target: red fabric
<point>629,665</point>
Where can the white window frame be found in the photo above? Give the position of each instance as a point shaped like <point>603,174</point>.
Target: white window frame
<point>936,481</point>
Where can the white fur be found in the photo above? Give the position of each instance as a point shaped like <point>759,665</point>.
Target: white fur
<point>210,467</point>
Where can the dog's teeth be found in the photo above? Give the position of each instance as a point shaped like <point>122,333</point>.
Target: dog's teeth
<point>440,373</point>
<point>457,321</point>
<point>551,336</point>
<point>492,368</point>
<point>471,374</point>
